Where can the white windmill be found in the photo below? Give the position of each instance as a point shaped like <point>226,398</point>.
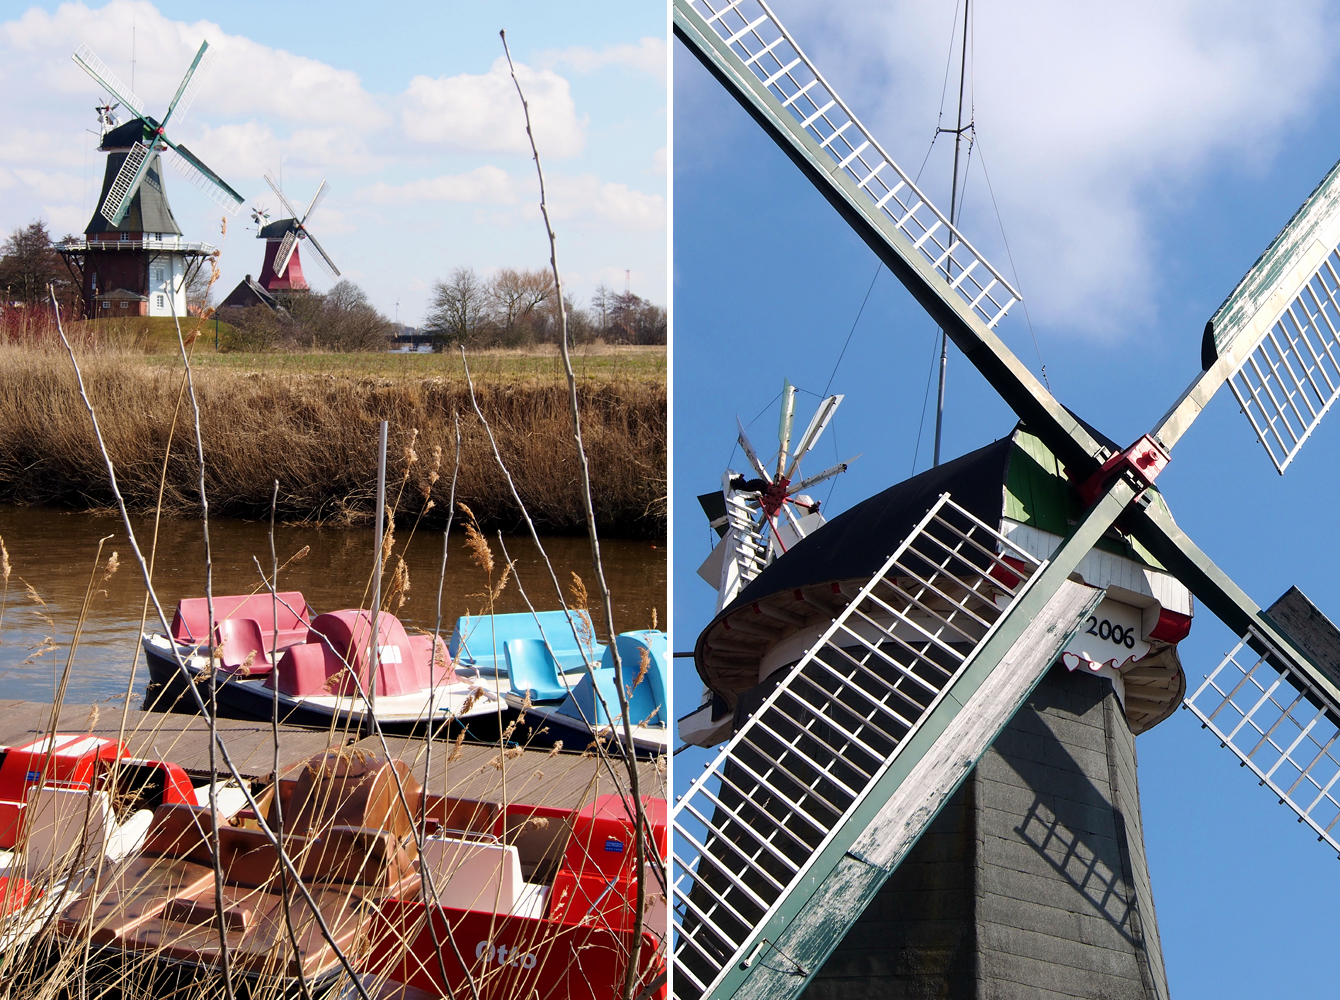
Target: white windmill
<point>761,518</point>
<point>132,259</point>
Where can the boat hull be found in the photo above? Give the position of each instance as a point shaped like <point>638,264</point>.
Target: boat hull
<point>507,956</point>
<point>545,725</point>
<point>251,699</point>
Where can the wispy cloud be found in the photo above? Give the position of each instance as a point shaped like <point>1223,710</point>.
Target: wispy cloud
<point>482,113</point>
<point>1093,120</point>
<point>486,184</point>
<point>647,56</point>
<point>586,196</point>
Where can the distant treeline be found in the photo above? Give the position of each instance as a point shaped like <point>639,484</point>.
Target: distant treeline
<point>518,308</point>
<point>341,319</point>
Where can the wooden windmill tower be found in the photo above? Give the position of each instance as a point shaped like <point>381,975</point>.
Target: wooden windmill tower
<point>132,259</point>
<point>929,787</point>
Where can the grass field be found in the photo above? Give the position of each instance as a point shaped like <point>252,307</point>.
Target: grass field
<point>641,364</point>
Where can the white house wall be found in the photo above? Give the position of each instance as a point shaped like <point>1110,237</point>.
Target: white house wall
<point>167,285</point>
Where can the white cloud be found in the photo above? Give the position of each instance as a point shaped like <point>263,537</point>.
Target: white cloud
<point>63,219</point>
<point>250,149</point>
<point>659,161</point>
<point>246,77</point>
<point>1092,119</point>
<point>648,56</point>
<point>588,196</point>
<point>483,184</point>
<point>49,185</point>
<point>482,113</point>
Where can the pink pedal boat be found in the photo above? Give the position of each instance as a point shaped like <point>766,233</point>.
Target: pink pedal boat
<point>320,664</point>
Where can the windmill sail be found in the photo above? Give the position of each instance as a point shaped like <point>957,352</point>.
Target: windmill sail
<point>815,800</point>
<point>87,60</point>
<point>126,184</point>
<point>1282,725</point>
<point>1276,338</point>
<point>190,86</point>
<point>322,257</point>
<point>215,188</point>
<point>745,46</point>
<point>285,251</point>
<point>139,159</point>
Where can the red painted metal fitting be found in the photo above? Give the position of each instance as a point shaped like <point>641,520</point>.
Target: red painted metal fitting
<point>1144,460</point>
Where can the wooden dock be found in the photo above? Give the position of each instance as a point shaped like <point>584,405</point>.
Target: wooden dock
<point>479,771</point>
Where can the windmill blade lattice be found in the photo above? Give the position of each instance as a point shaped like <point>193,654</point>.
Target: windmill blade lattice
<point>316,200</point>
<point>846,751</point>
<point>127,182</point>
<point>88,61</point>
<point>274,186</point>
<point>753,33</point>
<point>1282,726</point>
<point>1276,338</point>
<point>322,257</point>
<point>154,138</point>
<point>187,94</point>
<point>194,170</point>
<point>1289,382</point>
<point>747,49</point>
<point>285,251</point>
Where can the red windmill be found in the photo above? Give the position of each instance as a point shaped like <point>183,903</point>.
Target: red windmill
<point>282,270</point>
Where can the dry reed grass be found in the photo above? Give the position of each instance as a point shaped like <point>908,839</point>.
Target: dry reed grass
<point>316,434</point>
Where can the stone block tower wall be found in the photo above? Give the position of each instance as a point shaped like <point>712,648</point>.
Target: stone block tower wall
<point>1031,883</point>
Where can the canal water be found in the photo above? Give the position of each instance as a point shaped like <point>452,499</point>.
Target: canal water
<point>54,553</point>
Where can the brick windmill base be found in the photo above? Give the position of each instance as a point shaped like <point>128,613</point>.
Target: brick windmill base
<point>1032,882</point>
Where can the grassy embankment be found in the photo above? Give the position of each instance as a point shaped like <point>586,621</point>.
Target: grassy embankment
<point>309,420</point>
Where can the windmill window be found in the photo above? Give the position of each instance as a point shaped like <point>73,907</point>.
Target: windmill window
<point>158,274</point>
<point>159,303</point>
<point>125,236</point>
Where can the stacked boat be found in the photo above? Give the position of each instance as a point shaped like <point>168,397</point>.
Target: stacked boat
<point>344,869</point>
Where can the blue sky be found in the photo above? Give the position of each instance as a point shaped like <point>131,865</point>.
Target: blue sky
<point>408,113</point>
<point>1140,158</point>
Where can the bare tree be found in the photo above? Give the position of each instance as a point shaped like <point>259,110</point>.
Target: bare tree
<point>199,288</point>
<point>600,302</point>
<point>348,321</point>
<point>630,319</point>
<point>515,298</point>
<point>458,313</point>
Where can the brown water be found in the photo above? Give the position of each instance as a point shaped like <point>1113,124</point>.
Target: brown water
<point>55,552</point>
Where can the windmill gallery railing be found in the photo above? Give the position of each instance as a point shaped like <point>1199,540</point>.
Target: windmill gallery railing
<point>748,829</point>
<point>765,48</point>
<point>173,246</point>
